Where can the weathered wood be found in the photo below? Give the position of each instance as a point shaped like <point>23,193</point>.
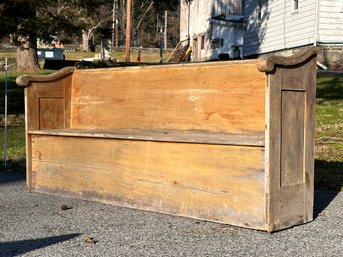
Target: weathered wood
<point>291,145</point>
<point>41,92</point>
<point>267,63</point>
<point>292,137</point>
<point>215,141</point>
<point>214,182</point>
<point>227,98</point>
<point>25,80</point>
<point>244,139</point>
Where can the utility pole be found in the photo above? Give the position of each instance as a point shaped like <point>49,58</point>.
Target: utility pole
<point>128,31</point>
<point>5,134</point>
<point>160,26</point>
<point>165,29</point>
<point>117,23</point>
<point>113,22</point>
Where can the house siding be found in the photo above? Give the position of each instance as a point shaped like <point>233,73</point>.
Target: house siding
<point>279,27</point>
<point>331,22</point>
<point>183,21</point>
<point>200,12</point>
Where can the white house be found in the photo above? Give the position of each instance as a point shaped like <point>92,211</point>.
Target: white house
<point>273,25</point>
<point>213,27</point>
<point>268,26</point>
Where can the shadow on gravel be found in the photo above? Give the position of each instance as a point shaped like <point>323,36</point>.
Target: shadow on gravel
<point>328,182</point>
<point>6,178</point>
<point>328,175</point>
<point>11,249</point>
<point>17,166</point>
<point>321,200</point>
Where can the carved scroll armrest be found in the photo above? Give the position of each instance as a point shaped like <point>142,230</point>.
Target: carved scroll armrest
<point>267,63</point>
<point>24,80</point>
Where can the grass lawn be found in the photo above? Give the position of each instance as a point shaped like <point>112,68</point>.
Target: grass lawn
<point>15,148</point>
<point>15,130</point>
<point>329,127</point>
<point>329,132</point>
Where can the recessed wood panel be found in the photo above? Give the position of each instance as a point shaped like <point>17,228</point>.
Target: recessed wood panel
<point>292,137</point>
<point>51,113</point>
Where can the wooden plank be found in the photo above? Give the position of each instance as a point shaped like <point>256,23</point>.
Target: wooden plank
<point>309,138</point>
<point>249,139</point>
<point>218,98</point>
<point>273,149</point>
<point>67,100</point>
<point>211,182</point>
<point>291,205</point>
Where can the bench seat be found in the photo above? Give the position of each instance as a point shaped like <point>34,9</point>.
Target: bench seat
<point>197,137</point>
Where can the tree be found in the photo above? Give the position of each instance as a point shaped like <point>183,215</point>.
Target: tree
<point>171,5</point>
<point>18,19</point>
<point>26,20</point>
<point>57,19</point>
<point>77,16</point>
<point>91,15</point>
<point>146,14</point>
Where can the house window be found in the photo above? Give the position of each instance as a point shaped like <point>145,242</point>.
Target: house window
<point>217,43</point>
<point>202,40</point>
<point>295,5</point>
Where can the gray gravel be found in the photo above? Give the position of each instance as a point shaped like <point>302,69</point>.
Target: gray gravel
<point>33,224</point>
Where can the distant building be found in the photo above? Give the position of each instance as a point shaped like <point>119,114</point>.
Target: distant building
<point>215,28</point>
<point>253,27</point>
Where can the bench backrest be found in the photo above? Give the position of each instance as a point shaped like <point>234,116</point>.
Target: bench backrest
<point>217,97</point>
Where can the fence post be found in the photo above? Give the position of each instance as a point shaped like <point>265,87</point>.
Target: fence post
<point>5,134</point>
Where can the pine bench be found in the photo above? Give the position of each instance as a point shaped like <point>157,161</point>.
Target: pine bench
<point>230,142</point>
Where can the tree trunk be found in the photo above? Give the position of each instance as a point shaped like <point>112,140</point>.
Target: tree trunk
<point>87,35</point>
<point>27,54</point>
<point>85,41</point>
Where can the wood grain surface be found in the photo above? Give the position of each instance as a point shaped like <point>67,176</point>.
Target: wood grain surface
<point>213,182</point>
<point>215,141</point>
<point>290,145</point>
<point>200,137</point>
<point>216,98</point>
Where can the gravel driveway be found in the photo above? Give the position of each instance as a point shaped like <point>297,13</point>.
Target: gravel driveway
<point>33,224</point>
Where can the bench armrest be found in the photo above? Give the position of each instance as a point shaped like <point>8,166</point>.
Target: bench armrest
<point>47,99</point>
<point>267,63</point>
